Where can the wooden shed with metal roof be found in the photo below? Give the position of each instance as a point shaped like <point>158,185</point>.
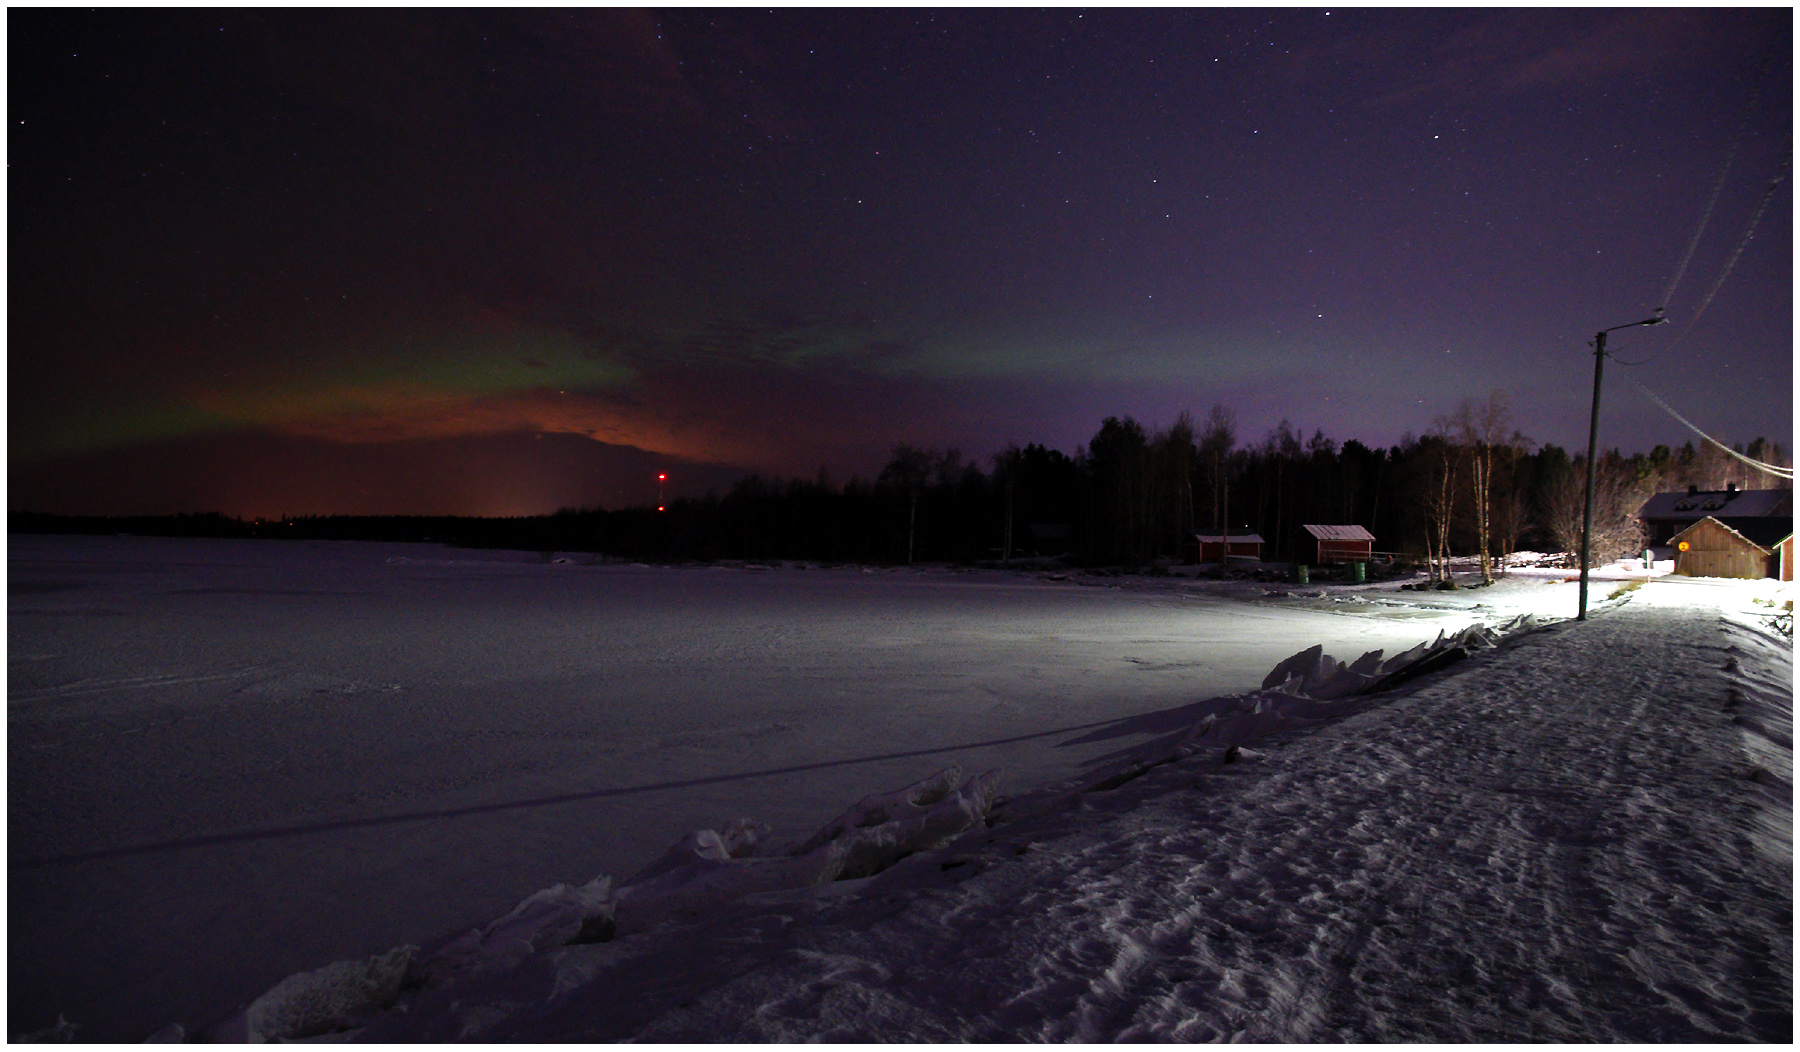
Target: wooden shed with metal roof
<point>1319,545</point>
<point>1762,547</point>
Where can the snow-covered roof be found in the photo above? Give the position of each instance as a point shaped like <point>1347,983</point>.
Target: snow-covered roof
<point>1339,533</point>
<point>1720,503</point>
<point>1236,538</point>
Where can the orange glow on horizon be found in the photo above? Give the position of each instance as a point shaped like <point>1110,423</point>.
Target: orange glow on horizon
<point>446,415</point>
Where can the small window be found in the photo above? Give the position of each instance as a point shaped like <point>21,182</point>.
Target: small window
<point>1712,504</point>
<point>1684,504</point>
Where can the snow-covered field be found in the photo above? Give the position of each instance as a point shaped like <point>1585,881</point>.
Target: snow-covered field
<point>231,762</point>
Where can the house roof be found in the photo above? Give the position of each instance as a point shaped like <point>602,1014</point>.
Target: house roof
<point>1720,504</point>
<point>1236,538</point>
<point>1764,532</point>
<point>1759,526</point>
<point>1339,533</point>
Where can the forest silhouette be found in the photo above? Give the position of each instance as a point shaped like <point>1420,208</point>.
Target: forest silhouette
<point>1133,497</point>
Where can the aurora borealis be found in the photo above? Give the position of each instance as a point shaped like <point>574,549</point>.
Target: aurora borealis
<point>500,262</point>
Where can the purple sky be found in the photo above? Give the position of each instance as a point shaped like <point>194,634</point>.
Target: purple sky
<point>501,262</point>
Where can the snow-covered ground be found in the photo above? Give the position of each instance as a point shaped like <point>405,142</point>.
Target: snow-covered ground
<point>230,762</point>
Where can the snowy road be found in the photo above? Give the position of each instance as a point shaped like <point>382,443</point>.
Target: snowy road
<point>1583,837</point>
<point>231,761</point>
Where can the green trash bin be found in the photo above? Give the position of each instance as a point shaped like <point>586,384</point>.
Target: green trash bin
<point>1300,573</point>
<point>1357,575</point>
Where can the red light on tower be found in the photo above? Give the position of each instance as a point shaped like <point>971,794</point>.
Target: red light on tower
<point>661,477</point>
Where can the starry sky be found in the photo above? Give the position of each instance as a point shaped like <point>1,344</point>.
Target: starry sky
<point>501,262</point>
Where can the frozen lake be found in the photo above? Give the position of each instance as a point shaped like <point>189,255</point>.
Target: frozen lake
<point>230,761</point>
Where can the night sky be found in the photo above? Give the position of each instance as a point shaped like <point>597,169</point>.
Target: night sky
<point>501,262</point>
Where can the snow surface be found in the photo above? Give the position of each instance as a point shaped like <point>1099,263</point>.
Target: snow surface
<point>1569,841</point>
<point>230,763</point>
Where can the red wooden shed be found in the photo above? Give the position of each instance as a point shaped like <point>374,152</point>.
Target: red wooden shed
<point>1334,544</point>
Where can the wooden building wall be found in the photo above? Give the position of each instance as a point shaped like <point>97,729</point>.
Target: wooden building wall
<point>1714,551</point>
<point>1341,551</point>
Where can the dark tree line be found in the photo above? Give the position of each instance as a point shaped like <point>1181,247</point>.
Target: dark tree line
<point>1133,496</point>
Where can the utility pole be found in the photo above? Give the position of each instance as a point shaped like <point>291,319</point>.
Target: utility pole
<point>1587,503</point>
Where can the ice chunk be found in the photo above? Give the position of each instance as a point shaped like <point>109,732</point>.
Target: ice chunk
<point>60,1032</point>
<point>1312,673</point>
<point>556,916</point>
<point>882,829</point>
<point>705,868</point>
<point>339,996</point>
<point>694,876</point>
<point>708,868</point>
<point>1349,679</point>
<point>1405,658</point>
<point>740,839</point>
<point>1312,663</point>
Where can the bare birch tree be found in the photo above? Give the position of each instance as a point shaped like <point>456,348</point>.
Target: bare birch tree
<point>1482,428</point>
<point>910,468</point>
<point>1440,506</point>
<point>1618,494</point>
<point>1510,510</point>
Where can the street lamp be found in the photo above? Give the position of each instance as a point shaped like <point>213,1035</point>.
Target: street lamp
<point>1587,503</point>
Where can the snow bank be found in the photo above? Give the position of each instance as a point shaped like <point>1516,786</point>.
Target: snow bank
<point>560,915</point>
<point>1301,690</point>
<point>1311,686</point>
<point>705,870</point>
<point>881,830</point>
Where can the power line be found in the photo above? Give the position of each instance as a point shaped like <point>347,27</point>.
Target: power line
<point>1773,469</point>
<point>1645,361</point>
<point>1743,242</point>
<point>1711,203</point>
<point>1737,140</point>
